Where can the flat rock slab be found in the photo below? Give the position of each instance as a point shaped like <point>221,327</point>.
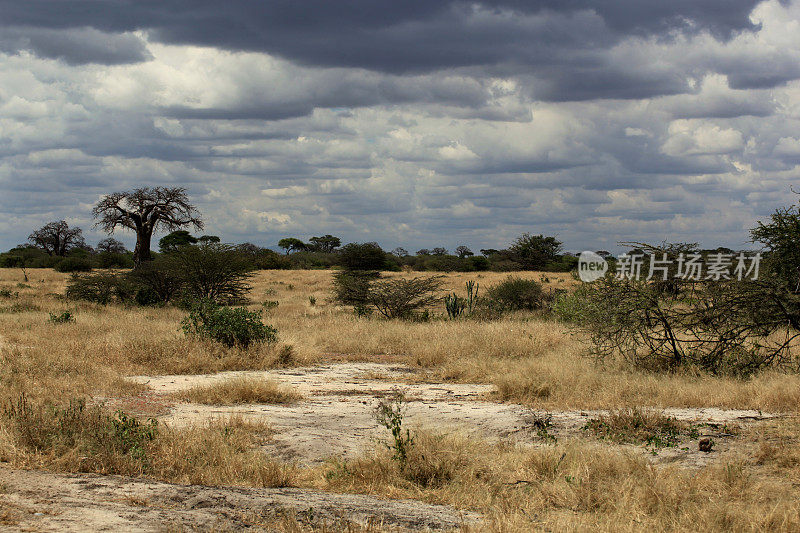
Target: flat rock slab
<point>335,419</point>
<point>42,501</point>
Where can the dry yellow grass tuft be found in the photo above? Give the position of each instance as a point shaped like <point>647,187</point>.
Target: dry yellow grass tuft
<point>240,390</point>
<point>222,452</point>
<point>575,486</point>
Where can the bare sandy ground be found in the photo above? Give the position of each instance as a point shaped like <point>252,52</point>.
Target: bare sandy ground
<point>336,417</point>
<point>41,501</point>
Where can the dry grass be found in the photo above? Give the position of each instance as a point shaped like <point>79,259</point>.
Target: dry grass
<point>578,486</point>
<point>531,360</point>
<point>223,452</point>
<point>89,439</point>
<point>641,426</point>
<point>240,390</point>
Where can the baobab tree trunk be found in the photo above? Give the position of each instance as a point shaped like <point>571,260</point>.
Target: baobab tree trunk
<point>141,252</point>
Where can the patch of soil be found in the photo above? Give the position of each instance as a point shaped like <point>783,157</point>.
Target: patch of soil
<point>43,501</point>
<point>336,416</point>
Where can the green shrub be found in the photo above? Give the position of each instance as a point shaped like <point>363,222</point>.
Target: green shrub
<point>156,281</point>
<point>114,260</point>
<point>211,270</point>
<point>572,307</point>
<point>454,305</point>
<point>352,287</point>
<point>101,287</point>
<point>8,293</point>
<point>366,256</point>
<point>62,318</point>
<point>515,294</point>
<point>390,413</point>
<point>229,326</point>
<point>401,298</point>
<point>74,264</point>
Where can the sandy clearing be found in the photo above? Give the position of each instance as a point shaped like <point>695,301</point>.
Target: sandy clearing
<point>336,417</point>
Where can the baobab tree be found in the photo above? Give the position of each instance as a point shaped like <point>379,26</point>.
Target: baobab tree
<point>57,238</point>
<point>144,211</point>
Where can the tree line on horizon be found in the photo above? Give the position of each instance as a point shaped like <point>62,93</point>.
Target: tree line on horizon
<point>147,210</point>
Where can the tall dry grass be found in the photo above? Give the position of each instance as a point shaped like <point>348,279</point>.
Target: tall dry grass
<point>581,486</point>
<point>531,359</point>
<point>239,391</point>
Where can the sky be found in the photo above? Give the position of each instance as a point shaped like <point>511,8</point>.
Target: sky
<point>413,124</point>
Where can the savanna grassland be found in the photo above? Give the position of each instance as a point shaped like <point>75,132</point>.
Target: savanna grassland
<point>62,384</point>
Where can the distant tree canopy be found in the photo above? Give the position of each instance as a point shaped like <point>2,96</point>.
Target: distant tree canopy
<point>291,244</point>
<point>533,252</point>
<point>781,240</point>
<point>57,238</point>
<point>174,240</point>
<point>366,256</point>
<point>110,245</point>
<point>146,210</point>
<point>150,209</point>
<point>463,251</point>
<point>326,244</point>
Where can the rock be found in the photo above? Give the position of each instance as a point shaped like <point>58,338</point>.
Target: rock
<point>706,444</point>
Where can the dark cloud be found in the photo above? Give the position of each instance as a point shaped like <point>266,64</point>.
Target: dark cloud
<point>561,42</point>
<point>75,46</point>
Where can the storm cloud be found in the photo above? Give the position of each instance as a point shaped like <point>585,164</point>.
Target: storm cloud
<point>410,123</point>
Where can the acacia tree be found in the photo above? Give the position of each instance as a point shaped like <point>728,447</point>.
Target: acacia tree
<point>292,244</point>
<point>57,238</point>
<point>326,243</point>
<point>534,251</point>
<point>463,252</point>
<point>145,210</point>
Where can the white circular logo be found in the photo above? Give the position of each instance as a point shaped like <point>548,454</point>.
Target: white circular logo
<point>591,266</point>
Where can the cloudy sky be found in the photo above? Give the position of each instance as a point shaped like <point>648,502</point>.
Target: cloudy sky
<point>414,123</point>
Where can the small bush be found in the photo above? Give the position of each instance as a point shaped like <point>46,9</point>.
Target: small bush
<point>401,298</point>
<point>74,264</point>
<point>352,287</point>
<point>390,413</point>
<point>105,443</point>
<point>157,282</point>
<point>212,270</point>
<point>572,307</point>
<point>62,318</point>
<point>102,288</point>
<point>7,293</point>
<point>516,294</point>
<point>637,426</point>
<point>231,327</point>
